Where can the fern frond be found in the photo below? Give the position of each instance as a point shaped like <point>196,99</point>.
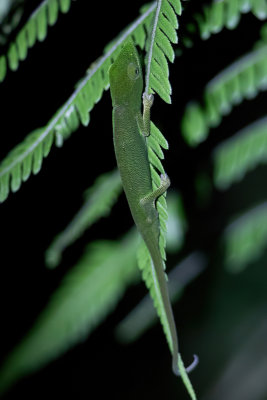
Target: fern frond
<point>34,30</point>
<point>143,316</point>
<point>99,200</point>
<point>227,14</point>
<point>86,295</point>
<point>241,153</point>
<point>245,238</point>
<point>30,153</point>
<point>160,49</point>
<point>241,80</point>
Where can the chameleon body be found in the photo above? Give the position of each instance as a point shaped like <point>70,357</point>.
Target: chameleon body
<point>130,129</point>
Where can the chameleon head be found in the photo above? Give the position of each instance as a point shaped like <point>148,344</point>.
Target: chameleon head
<point>125,76</point>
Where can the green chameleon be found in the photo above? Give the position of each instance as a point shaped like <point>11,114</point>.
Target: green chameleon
<point>130,129</point>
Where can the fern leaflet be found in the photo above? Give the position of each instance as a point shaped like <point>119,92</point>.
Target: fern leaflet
<point>241,80</point>
<point>86,295</point>
<point>99,200</point>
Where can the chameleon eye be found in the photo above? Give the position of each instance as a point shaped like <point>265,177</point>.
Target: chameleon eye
<point>133,71</point>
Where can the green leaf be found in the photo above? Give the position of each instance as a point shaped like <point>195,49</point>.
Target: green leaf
<point>12,57</point>
<point>232,14</point>
<point>259,9</point>
<point>64,5</point>
<point>194,127</point>
<point>52,10</point>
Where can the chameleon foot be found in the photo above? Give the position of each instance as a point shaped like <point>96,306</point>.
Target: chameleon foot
<point>164,182</point>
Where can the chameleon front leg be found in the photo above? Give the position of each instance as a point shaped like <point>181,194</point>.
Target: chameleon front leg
<point>143,120</point>
<point>153,196</point>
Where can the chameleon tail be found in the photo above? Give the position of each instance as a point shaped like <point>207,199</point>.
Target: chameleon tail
<point>163,294</point>
<point>161,285</point>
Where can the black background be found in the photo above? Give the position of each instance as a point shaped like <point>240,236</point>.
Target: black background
<point>44,205</point>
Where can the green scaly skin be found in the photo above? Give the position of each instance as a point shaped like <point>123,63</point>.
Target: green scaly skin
<point>130,129</point>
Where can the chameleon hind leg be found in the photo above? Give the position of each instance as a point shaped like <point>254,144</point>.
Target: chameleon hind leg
<point>153,196</point>
<point>143,120</point>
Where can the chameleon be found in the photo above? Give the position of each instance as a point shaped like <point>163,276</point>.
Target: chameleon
<point>130,130</point>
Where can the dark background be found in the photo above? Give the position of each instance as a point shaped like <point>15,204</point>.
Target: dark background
<point>214,305</point>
